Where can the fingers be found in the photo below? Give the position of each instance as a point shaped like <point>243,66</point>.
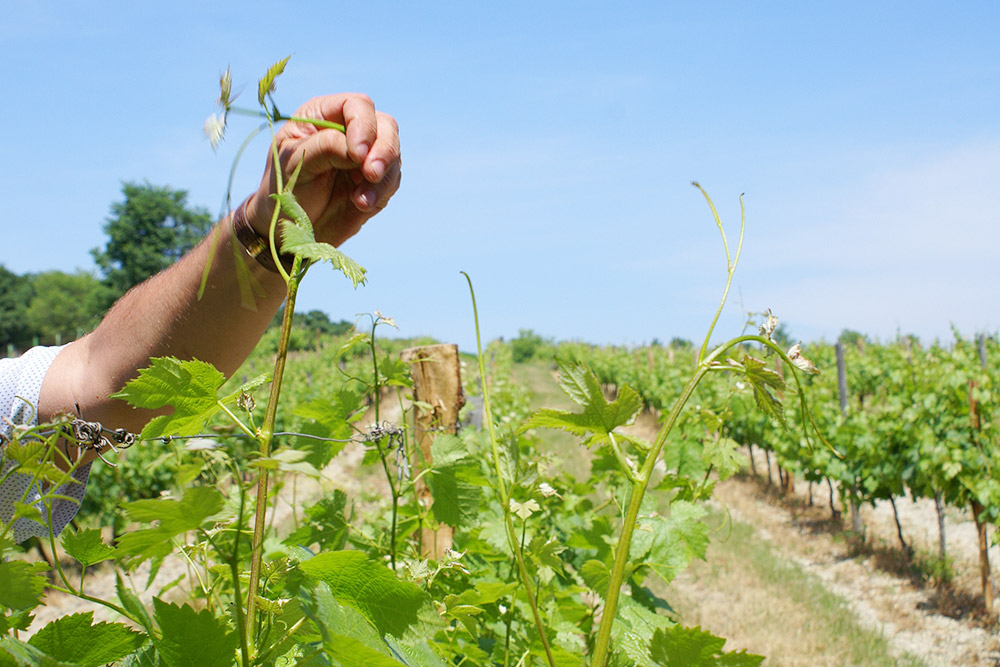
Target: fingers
<point>382,170</point>
<point>383,155</point>
<point>373,197</point>
<point>370,139</point>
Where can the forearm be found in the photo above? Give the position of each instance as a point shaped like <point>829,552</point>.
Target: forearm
<point>163,317</point>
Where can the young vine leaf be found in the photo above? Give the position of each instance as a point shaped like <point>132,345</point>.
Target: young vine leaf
<point>455,481</point>
<point>599,417</point>
<point>697,648</point>
<point>174,516</point>
<point>389,603</point>
<point>669,544</point>
<point>191,387</point>
<point>23,583</point>
<point>299,241</point>
<point>325,524</point>
<point>193,638</point>
<point>266,83</point>
<point>76,640</point>
<point>87,547</point>
<point>350,652</point>
<point>291,207</point>
<point>762,379</point>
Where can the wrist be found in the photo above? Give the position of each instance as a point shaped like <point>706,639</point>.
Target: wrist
<point>255,243</point>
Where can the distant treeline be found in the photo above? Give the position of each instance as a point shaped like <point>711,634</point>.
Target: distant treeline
<point>150,229</point>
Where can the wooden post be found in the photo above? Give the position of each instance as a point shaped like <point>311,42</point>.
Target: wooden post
<point>437,383</point>
<point>977,509</point>
<point>984,556</point>
<point>855,511</point>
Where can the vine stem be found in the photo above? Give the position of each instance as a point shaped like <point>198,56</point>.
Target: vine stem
<point>502,491</point>
<point>264,438</point>
<point>638,491</point>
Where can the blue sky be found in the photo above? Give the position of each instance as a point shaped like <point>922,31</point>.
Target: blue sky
<point>548,150</point>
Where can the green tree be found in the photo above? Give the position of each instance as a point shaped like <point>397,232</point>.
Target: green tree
<point>15,294</point>
<point>148,232</point>
<point>526,345</point>
<point>65,304</point>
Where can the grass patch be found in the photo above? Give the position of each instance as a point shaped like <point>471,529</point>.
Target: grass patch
<point>746,592</point>
<point>539,377</point>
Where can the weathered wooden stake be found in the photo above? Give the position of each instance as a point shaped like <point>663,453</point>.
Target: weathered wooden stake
<point>977,509</point>
<point>437,383</point>
<point>855,510</point>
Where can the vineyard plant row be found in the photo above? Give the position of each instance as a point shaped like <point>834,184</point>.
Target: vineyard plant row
<point>901,419</point>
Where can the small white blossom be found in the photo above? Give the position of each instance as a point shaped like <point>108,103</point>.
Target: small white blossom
<point>547,490</point>
<point>215,128</point>
<point>767,329</point>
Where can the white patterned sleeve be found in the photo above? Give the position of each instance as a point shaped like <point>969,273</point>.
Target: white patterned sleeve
<point>20,383</point>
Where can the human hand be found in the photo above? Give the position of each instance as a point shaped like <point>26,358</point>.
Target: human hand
<point>346,177</point>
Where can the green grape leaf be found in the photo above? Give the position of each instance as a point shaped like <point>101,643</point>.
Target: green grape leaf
<point>762,379</point>
<point>76,639</point>
<point>673,541</point>
<point>325,524</point>
<point>23,583</point>
<point>193,638</point>
<point>16,653</point>
<point>545,552</point>
<point>359,339</point>
<point>454,481</point>
<point>298,241</point>
<point>596,575</point>
<point>350,652</point>
<point>319,604</point>
<point>724,455</point>
<point>331,417</point>
<point>291,208</point>
<point>131,602</point>
<point>599,417</point>
<point>694,647</point>
<point>266,83</point>
<point>191,387</point>
<point>390,604</point>
<point>87,548</point>
<point>175,516</point>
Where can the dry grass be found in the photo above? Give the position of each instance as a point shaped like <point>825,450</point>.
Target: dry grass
<point>748,593</point>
